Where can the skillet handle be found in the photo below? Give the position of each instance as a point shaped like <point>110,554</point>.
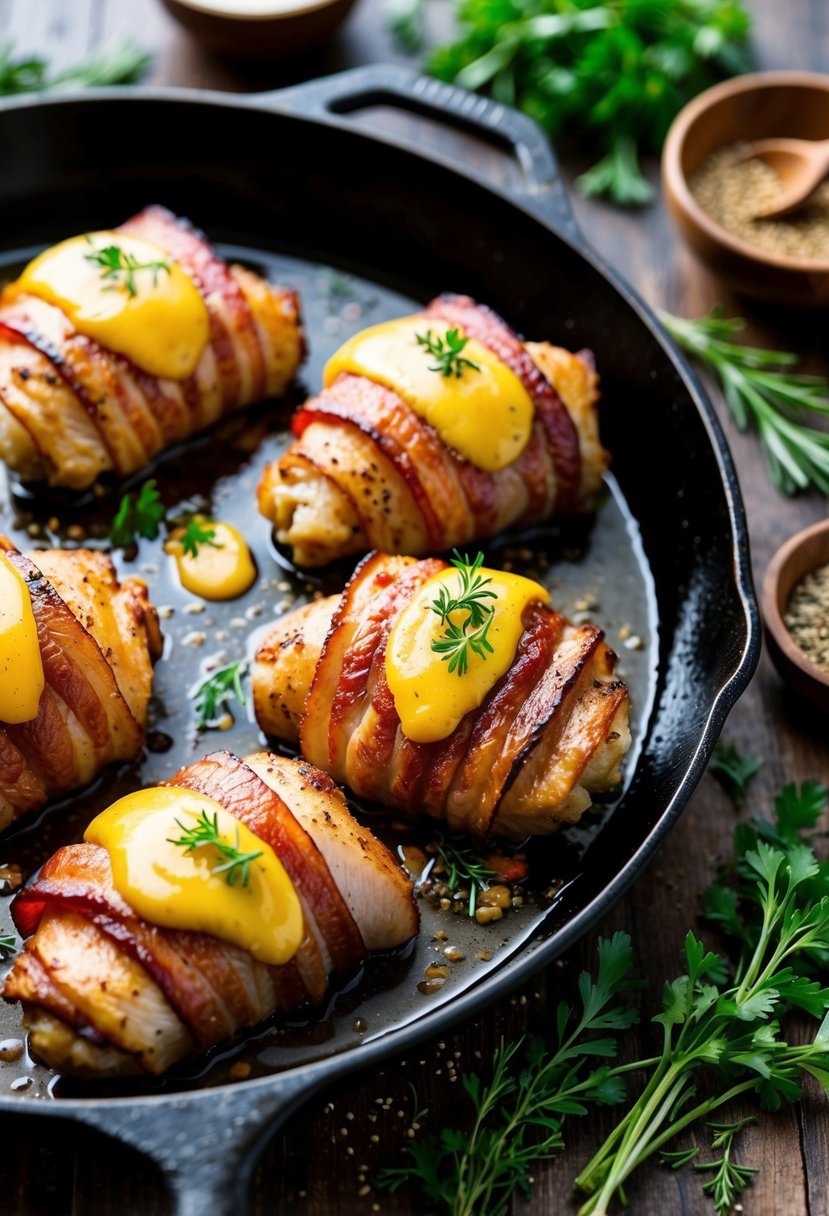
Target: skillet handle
<point>336,97</point>
<point>207,1142</point>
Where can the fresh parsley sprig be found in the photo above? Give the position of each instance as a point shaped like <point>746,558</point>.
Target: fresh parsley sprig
<point>772,906</point>
<point>124,64</point>
<point>463,868</point>
<point>119,267</point>
<point>461,637</point>
<point>607,75</point>
<point>516,1117</point>
<point>205,833</point>
<point>213,695</point>
<point>765,394</point>
<point>198,532</point>
<point>734,771</point>
<point>447,353</point>
<point>138,514</point>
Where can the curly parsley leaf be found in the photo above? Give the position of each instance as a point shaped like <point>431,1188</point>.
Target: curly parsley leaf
<point>138,515</point>
<point>733,770</point>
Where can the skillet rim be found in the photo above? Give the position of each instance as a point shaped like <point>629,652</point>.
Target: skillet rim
<point>543,946</point>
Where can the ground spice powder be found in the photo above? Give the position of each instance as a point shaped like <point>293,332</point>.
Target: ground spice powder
<point>732,192</point>
<point>807,616</point>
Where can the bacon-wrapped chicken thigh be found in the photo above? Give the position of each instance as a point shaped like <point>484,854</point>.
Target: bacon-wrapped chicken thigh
<point>455,692</point>
<point>76,655</point>
<point>269,888</point>
<point>434,430</point>
<point>116,345</point>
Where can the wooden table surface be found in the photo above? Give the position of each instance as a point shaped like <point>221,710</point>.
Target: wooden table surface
<point>324,1162</point>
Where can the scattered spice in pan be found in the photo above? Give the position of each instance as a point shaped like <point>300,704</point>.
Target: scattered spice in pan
<point>733,192</point>
<point>807,616</point>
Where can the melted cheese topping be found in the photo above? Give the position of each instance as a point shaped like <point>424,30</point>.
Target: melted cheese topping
<point>429,699</point>
<point>163,327</point>
<point>177,889</point>
<point>21,667</point>
<point>221,569</point>
<point>485,415</point>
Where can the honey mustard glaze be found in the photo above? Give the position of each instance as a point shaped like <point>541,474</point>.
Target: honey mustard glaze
<point>253,905</point>
<point>128,295</point>
<point>21,667</point>
<point>217,568</point>
<point>482,411</point>
<point>430,695</point>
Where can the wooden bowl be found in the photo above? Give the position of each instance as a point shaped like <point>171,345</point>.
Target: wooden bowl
<point>750,107</point>
<point>259,29</point>
<point>805,551</point>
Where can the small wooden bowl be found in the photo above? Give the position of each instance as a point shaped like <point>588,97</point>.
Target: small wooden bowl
<point>259,29</point>
<point>757,106</point>
<point>805,551</point>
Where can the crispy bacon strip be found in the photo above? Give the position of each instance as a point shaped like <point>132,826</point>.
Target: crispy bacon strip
<point>422,495</point>
<point>551,732</point>
<point>71,409</point>
<point>98,639</point>
<point>104,990</point>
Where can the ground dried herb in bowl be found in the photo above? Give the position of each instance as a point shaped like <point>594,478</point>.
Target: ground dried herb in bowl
<point>807,616</point>
<point>732,191</point>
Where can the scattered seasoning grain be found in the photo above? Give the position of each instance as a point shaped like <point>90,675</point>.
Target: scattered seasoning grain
<point>360,1026</point>
<point>10,1050</point>
<point>240,1071</point>
<point>807,616</point>
<point>733,192</point>
<point>454,954</point>
<point>484,915</point>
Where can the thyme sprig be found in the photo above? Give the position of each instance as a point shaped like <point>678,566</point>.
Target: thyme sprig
<point>214,694</point>
<point>730,1178</point>
<point>463,868</point>
<point>197,532</point>
<point>119,267</point>
<point>205,833</point>
<point>517,1116</point>
<point>461,637</point>
<point>764,393</point>
<point>8,945</point>
<point>447,353</point>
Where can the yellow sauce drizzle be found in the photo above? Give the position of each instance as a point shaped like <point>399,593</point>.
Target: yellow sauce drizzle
<point>176,889</point>
<point>21,667</point>
<point>221,570</point>
<point>162,328</point>
<point>486,415</point>
<point>429,699</point>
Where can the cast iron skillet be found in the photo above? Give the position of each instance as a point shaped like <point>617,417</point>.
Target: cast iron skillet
<point>291,171</point>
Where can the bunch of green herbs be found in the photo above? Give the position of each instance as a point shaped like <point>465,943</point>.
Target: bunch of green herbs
<point>606,75</point>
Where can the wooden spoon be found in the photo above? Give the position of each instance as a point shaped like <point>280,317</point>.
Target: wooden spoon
<point>801,165</point>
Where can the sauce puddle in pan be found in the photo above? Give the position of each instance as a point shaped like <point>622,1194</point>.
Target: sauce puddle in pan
<point>593,567</point>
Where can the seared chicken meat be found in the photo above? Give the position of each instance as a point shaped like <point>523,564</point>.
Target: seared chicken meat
<point>106,992</point>
<point>97,639</point>
<point>71,409</point>
<point>366,471</point>
<point>551,732</point>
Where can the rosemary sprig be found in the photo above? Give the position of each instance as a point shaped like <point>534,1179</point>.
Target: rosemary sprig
<point>459,638</point>
<point>446,352</point>
<point>213,694</point>
<point>205,832</point>
<point>124,64</point>
<point>138,514</point>
<point>463,868</point>
<point>196,533</point>
<point>763,392</point>
<point>730,1178</point>
<point>8,945</point>
<point>734,771</point>
<point>118,267</point>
